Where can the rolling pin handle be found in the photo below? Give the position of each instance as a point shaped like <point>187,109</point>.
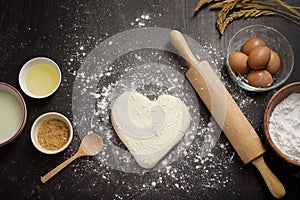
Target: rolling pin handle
<point>180,44</point>
<point>274,185</point>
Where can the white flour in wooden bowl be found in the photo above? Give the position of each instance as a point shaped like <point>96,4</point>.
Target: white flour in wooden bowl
<point>284,126</point>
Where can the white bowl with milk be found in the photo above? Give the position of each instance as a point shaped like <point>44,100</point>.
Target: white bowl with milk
<point>13,113</point>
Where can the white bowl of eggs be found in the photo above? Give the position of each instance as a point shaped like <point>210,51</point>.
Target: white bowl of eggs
<point>259,58</point>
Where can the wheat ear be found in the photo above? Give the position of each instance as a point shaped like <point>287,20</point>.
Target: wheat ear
<point>243,13</point>
<point>201,3</point>
<point>222,4</point>
<point>263,6</point>
<point>229,5</point>
<point>288,7</point>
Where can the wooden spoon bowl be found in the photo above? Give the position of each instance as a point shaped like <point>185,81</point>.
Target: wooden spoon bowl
<point>90,145</point>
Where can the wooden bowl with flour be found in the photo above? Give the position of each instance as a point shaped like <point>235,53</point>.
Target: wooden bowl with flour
<point>282,123</point>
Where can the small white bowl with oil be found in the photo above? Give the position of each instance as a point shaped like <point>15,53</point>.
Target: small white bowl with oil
<point>39,77</point>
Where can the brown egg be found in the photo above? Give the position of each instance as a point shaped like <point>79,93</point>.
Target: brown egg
<point>250,44</point>
<point>260,78</point>
<point>274,63</point>
<point>238,62</point>
<point>259,57</point>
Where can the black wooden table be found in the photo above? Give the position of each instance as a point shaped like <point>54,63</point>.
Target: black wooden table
<point>67,31</point>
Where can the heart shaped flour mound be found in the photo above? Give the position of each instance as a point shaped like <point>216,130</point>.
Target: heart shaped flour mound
<point>149,129</point>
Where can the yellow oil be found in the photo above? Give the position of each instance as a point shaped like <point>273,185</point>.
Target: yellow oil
<point>42,79</point>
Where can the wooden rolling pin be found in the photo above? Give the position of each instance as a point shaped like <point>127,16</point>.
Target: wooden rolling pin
<point>226,112</point>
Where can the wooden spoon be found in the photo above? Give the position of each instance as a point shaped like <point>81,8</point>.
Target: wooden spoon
<point>91,145</point>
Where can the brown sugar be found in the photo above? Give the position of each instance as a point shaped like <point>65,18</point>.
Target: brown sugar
<point>53,134</point>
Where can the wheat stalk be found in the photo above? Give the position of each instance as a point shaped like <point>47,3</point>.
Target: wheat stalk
<point>275,3</point>
<point>201,3</point>
<point>290,8</point>
<point>243,13</point>
<point>220,5</point>
<point>262,6</point>
<point>228,6</point>
<point>233,9</point>
<point>272,3</point>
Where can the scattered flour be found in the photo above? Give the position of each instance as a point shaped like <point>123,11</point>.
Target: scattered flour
<point>142,21</point>
<point>213,171</point>
<point>194,172</point>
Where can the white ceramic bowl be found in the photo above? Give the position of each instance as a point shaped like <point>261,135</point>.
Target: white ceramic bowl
<point>39,121</point>
<point>13,113</point>
<point>27,66</point>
